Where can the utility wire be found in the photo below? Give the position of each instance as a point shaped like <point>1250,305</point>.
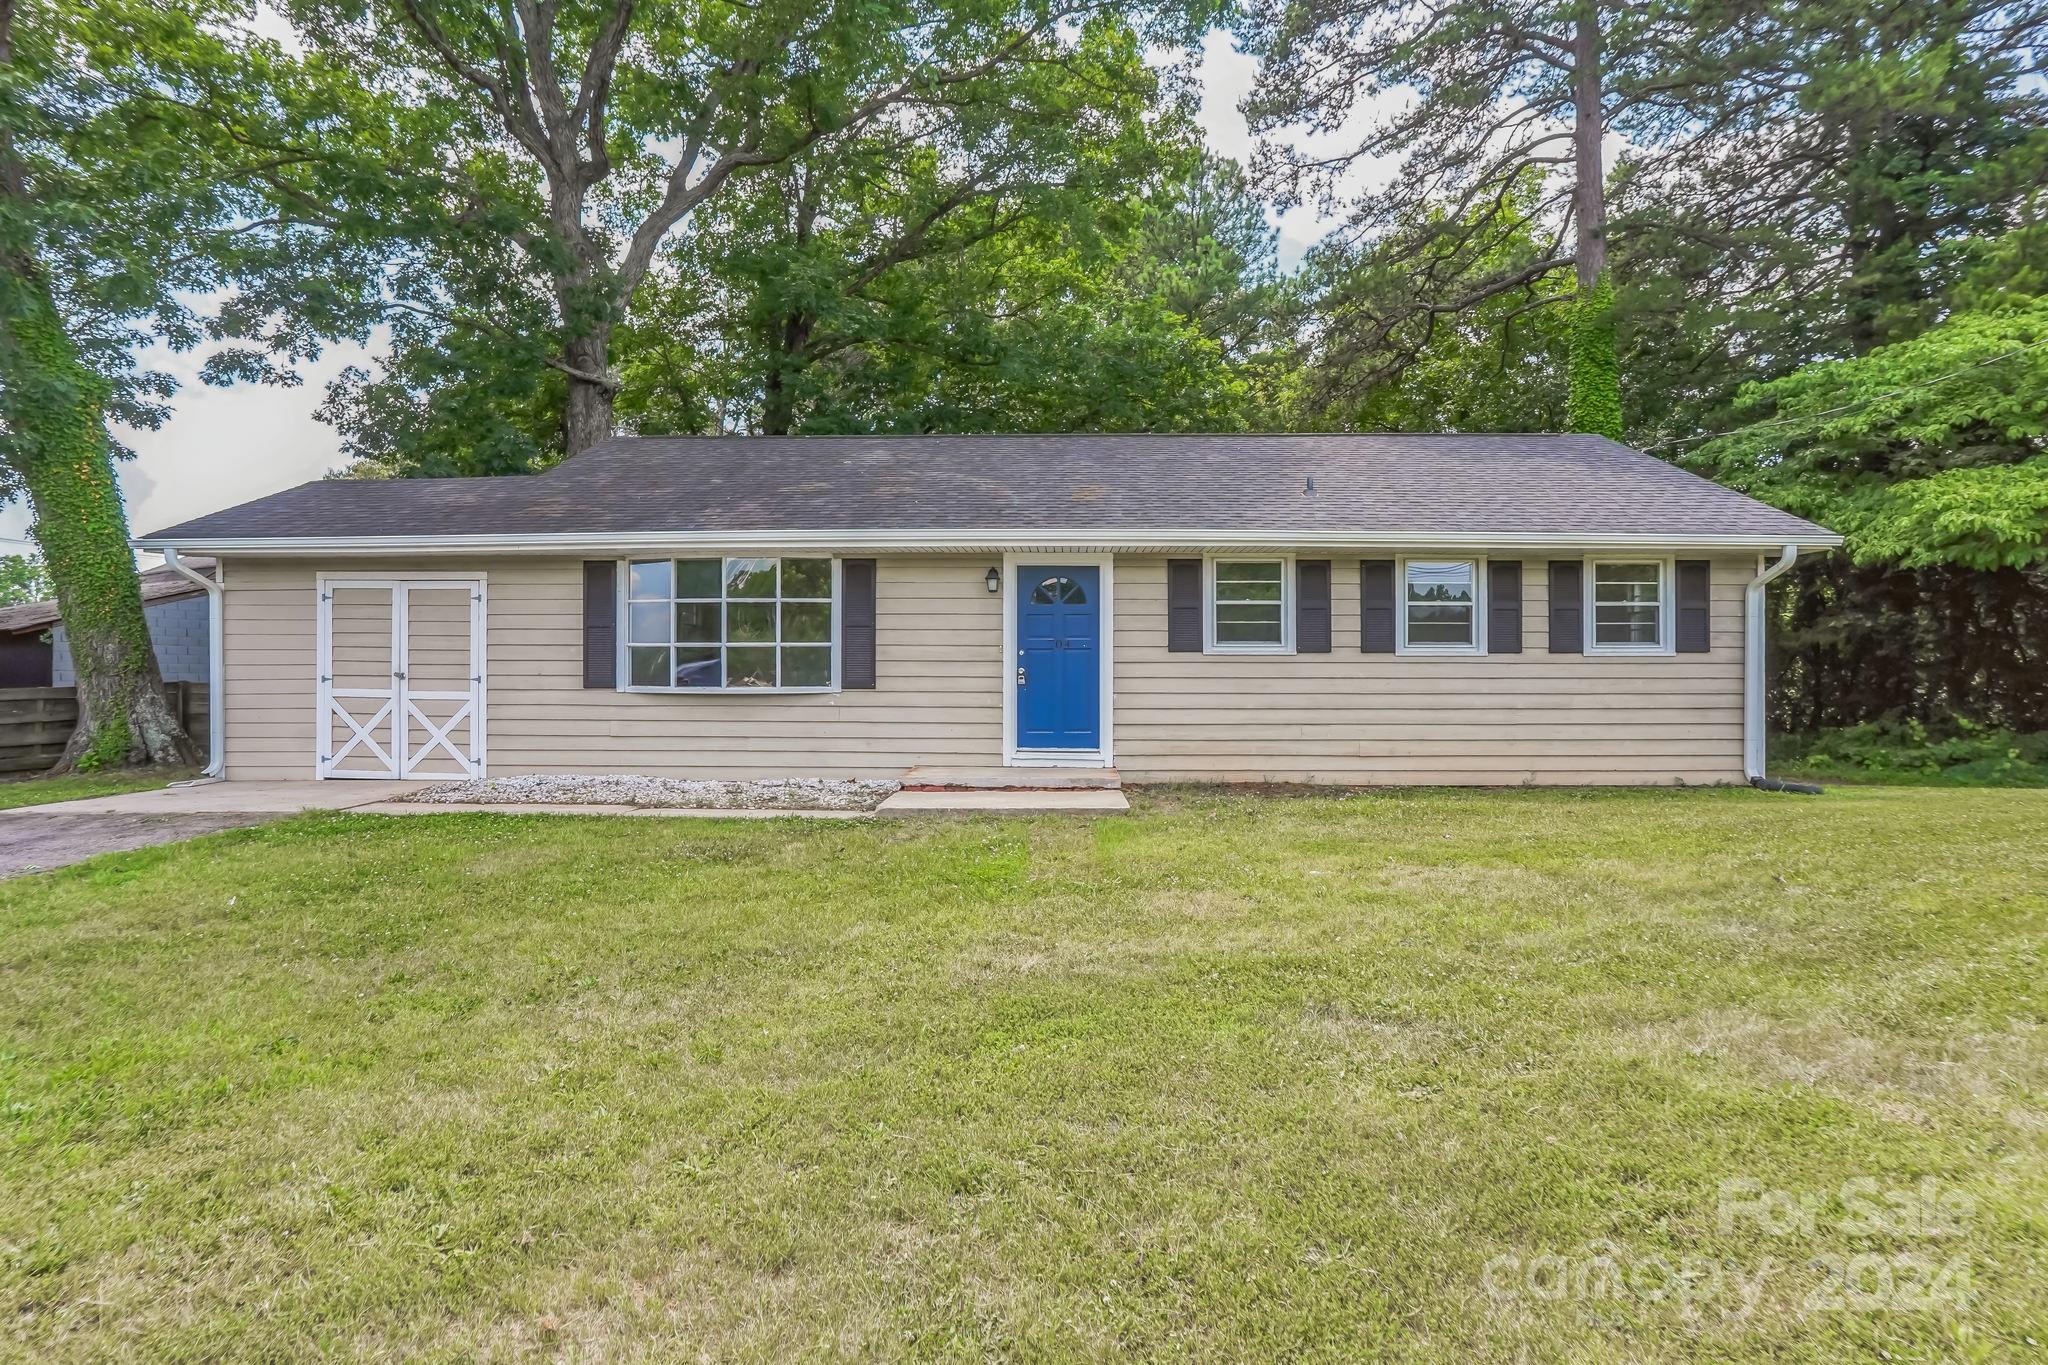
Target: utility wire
<point>1851,406</point>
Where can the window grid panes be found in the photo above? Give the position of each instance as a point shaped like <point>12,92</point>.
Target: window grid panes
<point>1628,600</point>
<point>1251,604</point>
<point>1441,605</point>
<point>733,623</point>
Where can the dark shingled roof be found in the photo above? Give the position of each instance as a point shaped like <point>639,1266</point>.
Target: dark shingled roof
<point>1367,484</point>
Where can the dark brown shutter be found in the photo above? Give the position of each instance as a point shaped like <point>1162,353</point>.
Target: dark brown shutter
<point>1312,606</point>
<point>1695,611</point>
<point>600,623</point>
<point>1376,606</point>
<point>857,623</point>
<point>1567,607</point>
<point>1184,606</point>
<point>1504,606</point>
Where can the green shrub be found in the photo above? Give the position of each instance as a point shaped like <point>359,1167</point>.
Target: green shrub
<point>1957,752</point>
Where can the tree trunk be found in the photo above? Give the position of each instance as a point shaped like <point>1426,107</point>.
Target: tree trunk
<point>787,343</point>
<point>58,448</point>
<point>587,419</point>
<point>1593,401</point>
<point>1589,124</point>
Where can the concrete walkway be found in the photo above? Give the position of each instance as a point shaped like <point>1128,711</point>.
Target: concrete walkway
<point>228,798</point>
<point>37,838</point>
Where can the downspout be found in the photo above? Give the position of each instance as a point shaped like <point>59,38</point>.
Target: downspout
<point>1753,679</point>
<point>216,736</point>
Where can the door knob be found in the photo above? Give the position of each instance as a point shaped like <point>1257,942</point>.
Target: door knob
<point>1020,675</point>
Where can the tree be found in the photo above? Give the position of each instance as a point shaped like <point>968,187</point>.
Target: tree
<point>1501,186</point>
<point>1874,223</point>
<point>91,203</point>
<point>1852,164</point>
<point>834,261</point>
<point>23,579</point>
<point>1930,456</point>
<point>1499,365</point>
<point>124,203</point>
<point>588,135</point>
<point>1130,286</point>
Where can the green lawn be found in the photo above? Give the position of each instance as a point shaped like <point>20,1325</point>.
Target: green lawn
<point>1232,1078</point>
<point>41,791</point>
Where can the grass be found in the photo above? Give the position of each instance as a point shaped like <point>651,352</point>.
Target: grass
<point>41,791</point>
<point>1318,1078</point>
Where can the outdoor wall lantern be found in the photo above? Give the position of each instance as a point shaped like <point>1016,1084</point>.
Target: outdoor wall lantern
<point>994,581</point>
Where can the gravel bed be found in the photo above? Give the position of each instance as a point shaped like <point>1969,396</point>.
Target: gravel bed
<point>624,789</point>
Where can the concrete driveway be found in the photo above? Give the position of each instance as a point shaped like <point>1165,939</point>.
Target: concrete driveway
<point>36,838</point>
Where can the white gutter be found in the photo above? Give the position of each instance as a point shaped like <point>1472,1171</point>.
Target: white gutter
<point>1753,661</point>
<point>216,670</point>
<point>965,539</point>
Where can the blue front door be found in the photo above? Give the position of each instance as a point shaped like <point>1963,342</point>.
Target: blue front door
<point>1059,664</point>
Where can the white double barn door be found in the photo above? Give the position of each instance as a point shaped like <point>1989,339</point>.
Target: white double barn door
<point>401,677</point>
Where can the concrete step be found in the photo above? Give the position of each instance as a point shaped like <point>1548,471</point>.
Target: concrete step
<point>935,777</point>
<point>1091,801</point>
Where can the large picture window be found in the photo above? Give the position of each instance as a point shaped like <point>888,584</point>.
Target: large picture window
<point>1440,611</point>
<point>1628,608</point>
<point>1249,603</point>
<point>730,624</point>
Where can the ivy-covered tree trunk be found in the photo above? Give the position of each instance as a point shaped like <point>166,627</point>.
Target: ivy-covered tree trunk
<point>1594,401</point>
<point>58,452</point>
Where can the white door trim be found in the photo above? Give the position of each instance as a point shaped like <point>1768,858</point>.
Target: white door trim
<point>1104,757</point>
<point>398,712</point>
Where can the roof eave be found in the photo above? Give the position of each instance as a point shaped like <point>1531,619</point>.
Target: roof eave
<point>976,540</point>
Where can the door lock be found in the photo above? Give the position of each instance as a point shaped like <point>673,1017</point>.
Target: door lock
<point>1020,675</point>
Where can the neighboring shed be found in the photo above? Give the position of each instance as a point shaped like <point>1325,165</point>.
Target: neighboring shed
<point>33,652</point>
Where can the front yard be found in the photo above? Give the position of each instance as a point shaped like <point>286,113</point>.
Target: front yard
<point>1442,1076</point>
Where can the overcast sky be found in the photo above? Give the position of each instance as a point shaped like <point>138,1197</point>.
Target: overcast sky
<point>225,446</point>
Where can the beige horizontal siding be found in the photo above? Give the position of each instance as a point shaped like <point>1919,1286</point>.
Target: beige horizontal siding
<point>1497,719</point>
<point>1341,717</point>
<point>935,698</point>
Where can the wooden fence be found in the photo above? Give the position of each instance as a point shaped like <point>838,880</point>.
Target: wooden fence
<point>36,721</point>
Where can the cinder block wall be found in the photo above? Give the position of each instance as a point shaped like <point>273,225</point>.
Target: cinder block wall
<point>178,630</point>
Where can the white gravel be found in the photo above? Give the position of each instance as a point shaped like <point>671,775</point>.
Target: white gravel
<point>625,789</point>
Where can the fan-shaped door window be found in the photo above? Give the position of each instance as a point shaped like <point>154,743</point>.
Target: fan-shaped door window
<point>1059,589</point>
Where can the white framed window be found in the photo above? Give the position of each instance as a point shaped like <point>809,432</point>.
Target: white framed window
<point>1628,606</point>
<point>737,623</point>
<point>1442,607</point>
<point>1250,605</point>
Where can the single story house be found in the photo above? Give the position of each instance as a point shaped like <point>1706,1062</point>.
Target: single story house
<point>34,652</point>
<point>1273,608</point>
